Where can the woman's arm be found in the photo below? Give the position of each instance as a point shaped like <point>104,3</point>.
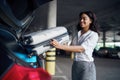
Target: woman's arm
<point>71,48</point>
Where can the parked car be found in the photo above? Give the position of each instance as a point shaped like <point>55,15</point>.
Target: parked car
<point>119,54</point>
<point>108,52</point>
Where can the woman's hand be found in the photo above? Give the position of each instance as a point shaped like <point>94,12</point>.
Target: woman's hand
<point>55,43</point>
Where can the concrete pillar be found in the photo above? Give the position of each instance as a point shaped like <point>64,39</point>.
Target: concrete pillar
<point>50,55</point>
<point>104,38</point>
<point>52,13</point>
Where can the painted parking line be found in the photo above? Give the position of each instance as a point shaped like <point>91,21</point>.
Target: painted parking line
<point>59,74</point>
<point>58,69</point>
<point>59,78</point>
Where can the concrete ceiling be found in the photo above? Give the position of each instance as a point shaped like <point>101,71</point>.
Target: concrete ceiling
<point>107,11</point>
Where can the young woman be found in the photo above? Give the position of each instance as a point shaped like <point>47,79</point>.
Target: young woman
<point>83,67</point>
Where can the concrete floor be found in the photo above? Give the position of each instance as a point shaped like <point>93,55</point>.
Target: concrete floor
<point>107,69</point>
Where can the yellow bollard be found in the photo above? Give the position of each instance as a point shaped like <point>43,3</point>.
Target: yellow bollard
<point>50,61</point>
<point>72,55</point>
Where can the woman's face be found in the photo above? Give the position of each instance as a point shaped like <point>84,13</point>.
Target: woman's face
<point>85,21</point>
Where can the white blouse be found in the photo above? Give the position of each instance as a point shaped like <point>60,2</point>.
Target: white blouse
<point>88,41</point>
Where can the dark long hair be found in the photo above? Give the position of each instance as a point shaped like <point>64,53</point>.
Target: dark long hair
<point>94,25</point>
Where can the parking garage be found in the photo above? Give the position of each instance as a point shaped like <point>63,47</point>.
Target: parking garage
<point>55,13</point>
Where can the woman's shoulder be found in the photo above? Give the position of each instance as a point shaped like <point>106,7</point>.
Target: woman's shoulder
<point>94,33</point>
